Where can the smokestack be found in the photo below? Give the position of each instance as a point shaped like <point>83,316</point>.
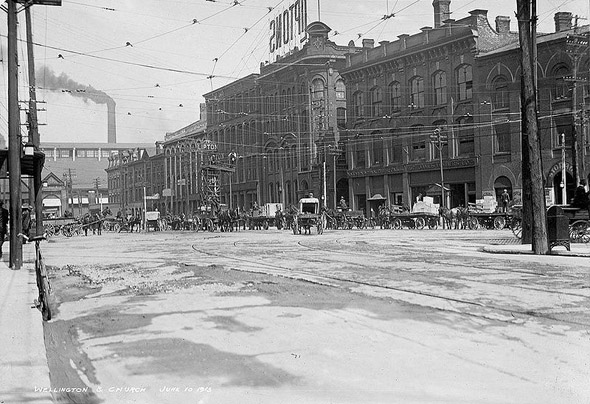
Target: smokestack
<point>112,123</point>
<point>47,80</point>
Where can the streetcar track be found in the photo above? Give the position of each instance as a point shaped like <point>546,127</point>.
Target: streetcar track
<point>527,313</point>
<point>528,288</point>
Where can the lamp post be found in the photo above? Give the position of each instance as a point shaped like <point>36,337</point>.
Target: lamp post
<point>438,138</point>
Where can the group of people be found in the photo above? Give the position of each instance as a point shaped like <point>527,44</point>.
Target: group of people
<point>27,222</point>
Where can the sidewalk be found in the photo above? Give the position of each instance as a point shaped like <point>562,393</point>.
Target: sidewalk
<point>23,361</point>
<point>576,249</point>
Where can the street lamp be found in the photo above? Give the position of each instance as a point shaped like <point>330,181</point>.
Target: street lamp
<point>439,139</point>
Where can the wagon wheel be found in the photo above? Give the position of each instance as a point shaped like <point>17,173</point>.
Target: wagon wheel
<point>397,223</point>
<point>49,230</point>
<point>210,225</point>
<point>420,223</point>
<point>67,231</point>
<point>499,222</point>
<point>473,223</point>
<point>265,225</point>
<point>432,223</point>
<point>516,227</point>
<point>580,231</point>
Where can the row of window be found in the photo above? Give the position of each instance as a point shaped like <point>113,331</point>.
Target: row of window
<point>375,106</point>
<point>80,153</point>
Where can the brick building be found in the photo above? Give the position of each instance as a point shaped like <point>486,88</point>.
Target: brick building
<point>402,95</point>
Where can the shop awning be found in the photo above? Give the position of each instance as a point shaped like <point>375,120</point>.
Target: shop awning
<point>377,197</point>
<point>51,202</point>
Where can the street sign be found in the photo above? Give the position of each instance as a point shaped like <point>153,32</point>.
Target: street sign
<point>167,192</point>
<point>181,181</point>
<point>154,196</point>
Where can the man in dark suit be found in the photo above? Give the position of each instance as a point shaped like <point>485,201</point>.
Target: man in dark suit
<point>3,224</point>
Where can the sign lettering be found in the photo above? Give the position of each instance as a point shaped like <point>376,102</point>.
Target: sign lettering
<point>288,27</point>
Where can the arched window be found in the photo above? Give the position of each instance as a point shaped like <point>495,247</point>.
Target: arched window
<point>500,96</point>
<point>417,92</point>
<point>376,102</point>
<point>440,87</point>
<point>340,90</point>
<point>465,82</point>
<point>395,96</point>
<point>561,88</point>
<point>317,89</point>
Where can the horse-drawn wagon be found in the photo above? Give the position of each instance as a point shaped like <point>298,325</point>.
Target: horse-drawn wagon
<point>308,215</point>
<point>424,213</point>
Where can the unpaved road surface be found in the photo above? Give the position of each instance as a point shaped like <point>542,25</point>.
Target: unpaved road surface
<point>346,317</point>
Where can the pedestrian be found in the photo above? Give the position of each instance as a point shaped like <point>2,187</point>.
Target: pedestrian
<point>26,219</point>
<point>580,198</point>
<point>505,199</point>
<point>3,224</point>
<point>343,204</point>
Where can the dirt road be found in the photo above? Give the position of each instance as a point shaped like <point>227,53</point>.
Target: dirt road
<point>267,317</point>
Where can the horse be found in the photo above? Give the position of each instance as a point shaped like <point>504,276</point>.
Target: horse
<point>455,217</point>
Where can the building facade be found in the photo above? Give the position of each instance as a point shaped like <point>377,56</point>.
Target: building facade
<point>284,126</point>
<point>563,67</point>
<point>404,95</point>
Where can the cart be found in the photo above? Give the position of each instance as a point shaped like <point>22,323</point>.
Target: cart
<point>309,215</point>
<point>579,227</point>
<point>152,221</point>
<point>424,213</point>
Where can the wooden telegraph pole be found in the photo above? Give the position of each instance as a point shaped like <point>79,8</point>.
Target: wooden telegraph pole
<point>533,196</point>
<point>14,142</point>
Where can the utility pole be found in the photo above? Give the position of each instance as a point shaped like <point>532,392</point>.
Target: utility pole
<point>533,181</point>
<point>35,186</point>
<point>69,191</point>
<point>14,141</point>
<point>439,139</point>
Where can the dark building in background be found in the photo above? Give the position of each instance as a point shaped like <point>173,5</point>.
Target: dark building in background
<point>563,94</point>
<point>401,95</point>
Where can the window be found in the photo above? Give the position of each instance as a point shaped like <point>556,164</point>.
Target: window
<point>396,148</point>
<point>502,137</point>
<point>500,96</point>
<point>377,149</point>
<point>317,90</point>
<point>395,96</point>
<point>357,105</point>
<point>561,88</point>
<point>417,92</point>
<point>465,82</point>
<point>466,139</point>
<point>65,153</point>
<point>440,88</point>
<point>376,102</point>
<point>340,90</point>
<point>341,118</point>
<point>418,151</point>
<point>360,161</point>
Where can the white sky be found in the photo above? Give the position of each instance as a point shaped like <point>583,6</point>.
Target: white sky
<point>92,39</point>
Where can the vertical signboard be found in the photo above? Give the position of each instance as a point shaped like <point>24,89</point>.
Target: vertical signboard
<point>287,28</point>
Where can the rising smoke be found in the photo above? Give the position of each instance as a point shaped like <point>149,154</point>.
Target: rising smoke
<point>48,80</point>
